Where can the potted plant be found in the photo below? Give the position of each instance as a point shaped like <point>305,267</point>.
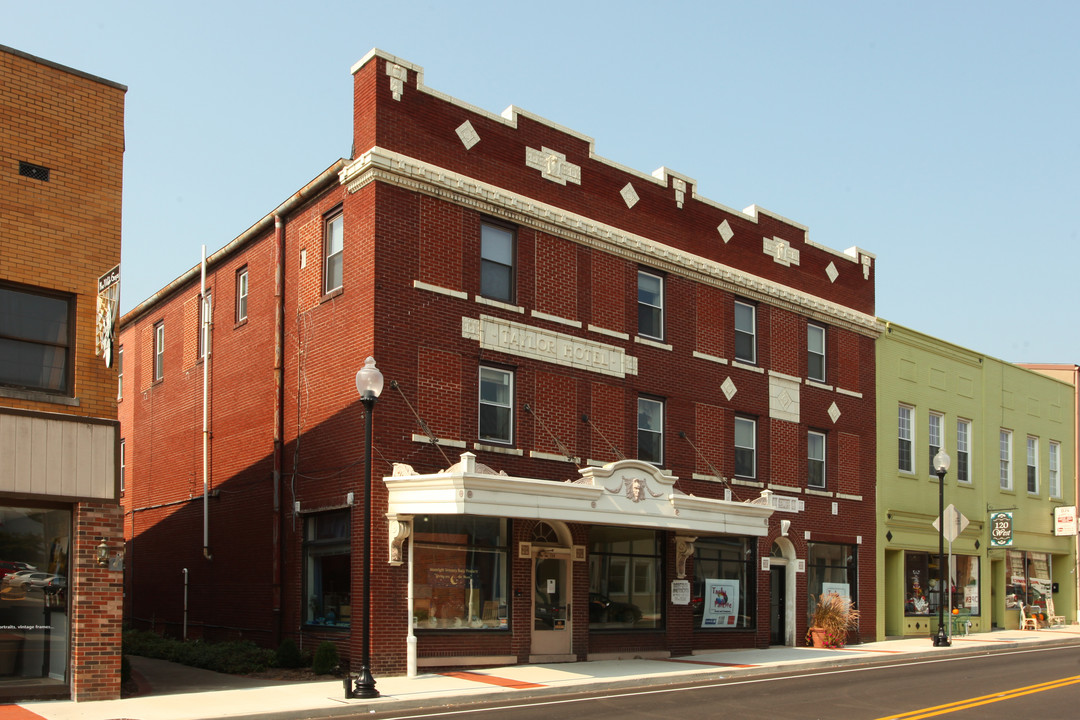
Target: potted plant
<point>833,617</point>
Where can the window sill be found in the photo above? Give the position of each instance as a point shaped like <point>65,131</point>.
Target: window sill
<point>331,295</point>
<point>819,492</point>
<point>744,366</point>
<point>710,358</point>
<point>240,324</point>
<point>501,449</point>
<point>38,396</point>
<point>418,438</point>
<point>540,455</point>
<point>499,304</point>
<point>318,626</point>
<point>641,340</point>
<point>818,384</point>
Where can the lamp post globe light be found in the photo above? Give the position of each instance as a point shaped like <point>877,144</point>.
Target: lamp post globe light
<point>369,383</point>
<point>941,466</point>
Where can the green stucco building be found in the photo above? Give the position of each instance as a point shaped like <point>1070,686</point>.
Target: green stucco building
<point>1011,434</point>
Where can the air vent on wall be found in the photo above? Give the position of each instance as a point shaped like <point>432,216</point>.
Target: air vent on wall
<point>36,172</point>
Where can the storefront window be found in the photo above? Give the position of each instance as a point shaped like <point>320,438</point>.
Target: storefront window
<point>459,573</point>
<point>326,569</point>
<point>1028,579</point>
<point>35,545</point>
<point>921,583</point>
<point>723,591</point>
<point>625,576</point>
<point>831,568</point>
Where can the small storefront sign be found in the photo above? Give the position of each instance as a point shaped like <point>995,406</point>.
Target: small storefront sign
<point>680,592</point>
<point>1065,520</point>
<point>721,603</point>
<point>1001,529</point>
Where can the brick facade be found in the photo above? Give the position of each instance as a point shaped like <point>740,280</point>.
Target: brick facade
<point>414,200</point>
<point>61,232</point>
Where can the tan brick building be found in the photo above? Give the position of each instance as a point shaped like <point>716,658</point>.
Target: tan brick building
<point>61,541</point>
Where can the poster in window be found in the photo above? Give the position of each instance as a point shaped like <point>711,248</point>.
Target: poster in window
<point>841,589</point>
<point>721,604</point>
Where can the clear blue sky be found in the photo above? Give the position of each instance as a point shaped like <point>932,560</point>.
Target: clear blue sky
<point>940,136</point>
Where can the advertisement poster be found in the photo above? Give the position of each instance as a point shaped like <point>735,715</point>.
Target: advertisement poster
<point>1065,520</point>
<point>841,589</point>
<point>721,604</point>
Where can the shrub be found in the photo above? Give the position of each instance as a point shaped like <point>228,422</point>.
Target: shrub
<point>236,656</point>
<point>836,616</point>
<point>326,658</point>
<point>288,655</point>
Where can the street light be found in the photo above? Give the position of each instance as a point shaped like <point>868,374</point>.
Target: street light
<point>369,383</point>
<point>941,466</point>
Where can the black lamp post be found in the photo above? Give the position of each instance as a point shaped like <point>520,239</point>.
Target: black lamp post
<point>941,466</point>
<point>369,383</point>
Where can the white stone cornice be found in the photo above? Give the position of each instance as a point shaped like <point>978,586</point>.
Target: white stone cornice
<point>403,171</point>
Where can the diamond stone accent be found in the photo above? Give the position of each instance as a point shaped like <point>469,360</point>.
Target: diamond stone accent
<point>468,134</point>
<point>725,231</point>
<point>834,412</point>
<point>728,388</point>
<point>832,272</point>
<point>629,195</point>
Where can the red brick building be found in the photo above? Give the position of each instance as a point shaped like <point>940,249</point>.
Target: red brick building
<point>618,418</point>
<point>61,172</point>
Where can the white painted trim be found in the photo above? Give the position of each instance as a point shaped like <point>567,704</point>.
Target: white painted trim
<point>555,319</point>
<point>609,333</point>
<point>420,285</point>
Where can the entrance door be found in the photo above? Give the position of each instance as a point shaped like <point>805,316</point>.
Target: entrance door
<point>551,605</point>
<point>777,604</point>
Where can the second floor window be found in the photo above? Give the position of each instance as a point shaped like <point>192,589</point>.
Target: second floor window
<point>815,458</point>
<point>745,447</point>
<point>815,353</point>
<point>120,373</point>
<point>905,433</point>
<point>745,332</point>
<point>650,298</point>
<point>333,252</point>
<point>1032,464</point>
<point>1005,459</point>
<point>241,294</point>
<point>123,464</point>
<point>159,351</point>
<point>497,263</point>
<point>496,405</point>
<point>1055,470</point>
<point>934,424</point>
<point>36,341</point>
<point>963,451</point>
<point>650,430</point>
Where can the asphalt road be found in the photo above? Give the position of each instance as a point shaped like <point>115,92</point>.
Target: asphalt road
<point>1035,683</point>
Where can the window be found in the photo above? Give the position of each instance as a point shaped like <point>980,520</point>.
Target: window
<point>626,575</point>
<point>122,464</point>
<point>327,576</point>
<point>815,459</point>
<point>496,405</point>
<point>1055,469</point>
<point>1032,464</point>
<point>159,351</point>
<point>963,451</point>
<point>650,299</point>
<point>724,566</point>
<point>1005,459</point>
<point>36,341</point>
<point>921,583</point>
<point>461,572</point>
<point>831,568</point>
<point>120,373</point>
<point>905,432</point>
<point>650,430</point>
<point>935,423</point>
<point>333,251</point>
<point>1028,578</point>
<point>205,324</point>
<point>745,332</point>
<point>745,447</point>
<point>815,353</point>
<point>241,294</point>
<point>497,263</point>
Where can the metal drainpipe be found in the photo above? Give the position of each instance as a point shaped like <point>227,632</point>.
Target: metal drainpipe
<point>279,420</point>
<point>204,312</point>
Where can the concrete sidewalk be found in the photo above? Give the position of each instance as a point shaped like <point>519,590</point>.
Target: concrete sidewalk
<point>176,692</point>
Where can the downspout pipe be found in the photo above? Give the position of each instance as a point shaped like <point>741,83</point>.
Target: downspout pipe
<point>277,529</point>
<point>204,329</point>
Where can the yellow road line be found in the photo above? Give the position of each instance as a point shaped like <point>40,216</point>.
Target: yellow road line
<point>984,699</point>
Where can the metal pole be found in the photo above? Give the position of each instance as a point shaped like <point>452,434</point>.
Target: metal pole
<point>365,682</point>
<point>941,640</point>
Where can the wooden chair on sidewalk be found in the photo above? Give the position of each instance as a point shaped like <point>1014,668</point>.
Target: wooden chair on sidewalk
<point>1052,618</point>
<point>1028,621</point>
